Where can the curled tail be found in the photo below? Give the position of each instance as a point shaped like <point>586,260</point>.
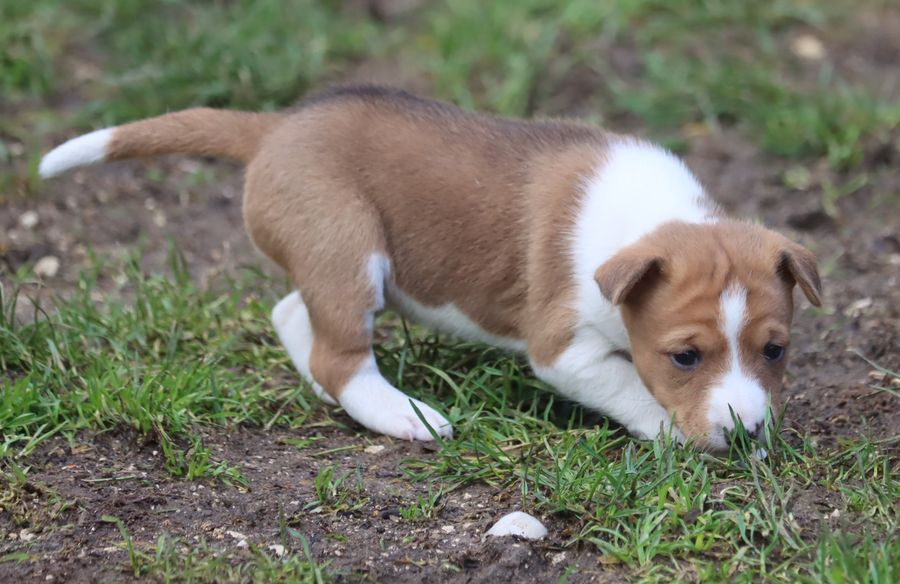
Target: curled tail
<point>201,131</point>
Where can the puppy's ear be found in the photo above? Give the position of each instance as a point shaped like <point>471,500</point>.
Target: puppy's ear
<point>798,266</point>
<point>628,271</point>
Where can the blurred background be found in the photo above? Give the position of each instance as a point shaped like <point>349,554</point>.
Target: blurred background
<point>797,77</point>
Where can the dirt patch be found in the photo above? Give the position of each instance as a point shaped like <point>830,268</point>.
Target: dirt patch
<point>361,536</point>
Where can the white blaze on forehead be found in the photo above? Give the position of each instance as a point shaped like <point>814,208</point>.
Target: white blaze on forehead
<point>732,315</point>
<point>737,390</point>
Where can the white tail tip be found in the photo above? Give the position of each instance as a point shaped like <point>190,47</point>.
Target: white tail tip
<point>81,151</point>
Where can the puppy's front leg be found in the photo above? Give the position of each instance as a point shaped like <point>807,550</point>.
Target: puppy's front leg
<point>591,373</point>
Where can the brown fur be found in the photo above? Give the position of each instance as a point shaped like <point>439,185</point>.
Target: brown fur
<point>457,201</point>
<point>666,309</point>
<point>476,211</point>
<point>202,131</point>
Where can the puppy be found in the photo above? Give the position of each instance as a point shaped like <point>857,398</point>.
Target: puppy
<point>599,256</point>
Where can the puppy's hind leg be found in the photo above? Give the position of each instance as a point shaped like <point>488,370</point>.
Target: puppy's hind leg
<point>291,320</point>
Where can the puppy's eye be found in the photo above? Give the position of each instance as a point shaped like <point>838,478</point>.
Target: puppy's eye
<point>773,352</point>
<point>687,360</point>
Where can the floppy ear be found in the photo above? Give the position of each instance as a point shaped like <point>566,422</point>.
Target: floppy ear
<point>798,265</point>
<point>620,274</point>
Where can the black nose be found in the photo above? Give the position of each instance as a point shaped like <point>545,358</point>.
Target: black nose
<point>754,434</point>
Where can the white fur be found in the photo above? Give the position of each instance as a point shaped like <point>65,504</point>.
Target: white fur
<point>636,188</point>
<point>736,390</point>
<point>81,151</point>
<point>291,320</point>
<point>590,373</point>
<point>379,271</point>
<point>448,319</point>
<point>373,402</point>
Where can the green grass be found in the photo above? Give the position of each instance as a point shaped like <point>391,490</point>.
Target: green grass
<point>170,359</point>
<point>173,560</point>
<point>174,361</point>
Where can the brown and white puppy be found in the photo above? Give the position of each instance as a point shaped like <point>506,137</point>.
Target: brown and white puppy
<point>597,255</point>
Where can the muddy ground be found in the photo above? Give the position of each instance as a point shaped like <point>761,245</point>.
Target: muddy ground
<point>113,208</point>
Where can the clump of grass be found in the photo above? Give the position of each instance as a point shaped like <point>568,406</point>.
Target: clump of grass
<point>425,507</point>
<point>173,360</point>
<point>26,504</point>
<point>336,491</point>
<point>172,559</point>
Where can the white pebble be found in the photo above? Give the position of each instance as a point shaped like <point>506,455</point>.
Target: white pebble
<point>26,535</point>
<point>47,266</point>
<point>808,47</point>
<point>277,548</point>
<point>518,523</point>
<point>373,449</point>
<point>29,219</point>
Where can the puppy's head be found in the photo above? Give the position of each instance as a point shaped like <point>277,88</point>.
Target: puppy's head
<point>708,311</point>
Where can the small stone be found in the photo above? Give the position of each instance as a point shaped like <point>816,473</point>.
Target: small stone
<point>236,534</point>
<point>858,307</point>
<point>876,376</point>
<point>761,454</point>
<point>373,449</point>
<point>47,266</point>
<point>243,543</point>
<point>29,219</point>
<point>277,549</point>
<point>518,523</point>
<point>808,47</point>
<point>448,529</point>
<point>557,558</point>
<point>26,535</point>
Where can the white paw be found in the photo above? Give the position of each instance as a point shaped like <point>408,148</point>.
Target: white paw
<point>662,427</point>
<point>370,400</point>
<point>291,321</point>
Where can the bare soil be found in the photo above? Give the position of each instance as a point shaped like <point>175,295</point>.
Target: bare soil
<point>112,209</point>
